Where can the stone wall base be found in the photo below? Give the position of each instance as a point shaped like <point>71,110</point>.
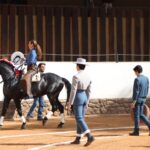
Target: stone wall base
<point>96,106</point>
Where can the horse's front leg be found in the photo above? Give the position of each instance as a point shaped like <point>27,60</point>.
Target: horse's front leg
<point>19,110</point>
<point>4,110</point>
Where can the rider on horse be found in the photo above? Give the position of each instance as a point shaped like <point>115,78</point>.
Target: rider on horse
<point>31,61</point>
<point>50,85</point>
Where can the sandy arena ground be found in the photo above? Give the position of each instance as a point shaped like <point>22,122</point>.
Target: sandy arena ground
<point>110,132</point>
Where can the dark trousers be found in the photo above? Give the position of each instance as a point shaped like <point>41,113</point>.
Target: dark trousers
<point>139,114</point>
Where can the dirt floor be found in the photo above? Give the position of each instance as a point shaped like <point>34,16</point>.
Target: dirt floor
<point>110,132</point>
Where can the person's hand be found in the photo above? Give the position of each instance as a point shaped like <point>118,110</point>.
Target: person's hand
<point>86,106</point>
<point>68,106</point>
<point>25,63</point>
<point>132,105</point>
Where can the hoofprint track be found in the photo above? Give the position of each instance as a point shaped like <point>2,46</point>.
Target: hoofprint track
<point>110,132</point>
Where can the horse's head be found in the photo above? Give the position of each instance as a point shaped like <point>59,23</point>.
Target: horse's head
<point>6,69</point>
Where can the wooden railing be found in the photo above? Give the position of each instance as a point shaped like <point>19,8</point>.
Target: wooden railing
<point>64,33</point>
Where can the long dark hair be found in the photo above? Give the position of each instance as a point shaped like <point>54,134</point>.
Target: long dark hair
<point>38,48</point>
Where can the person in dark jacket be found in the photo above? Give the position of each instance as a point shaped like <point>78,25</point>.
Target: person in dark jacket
<point>140,91</point>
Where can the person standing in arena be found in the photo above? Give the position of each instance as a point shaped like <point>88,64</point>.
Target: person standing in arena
<point>79,99</point>
<point>140,91</point>
<point>37,100</point>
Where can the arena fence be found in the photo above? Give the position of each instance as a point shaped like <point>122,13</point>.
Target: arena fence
<point>98,34</point>
<point>96,107</point>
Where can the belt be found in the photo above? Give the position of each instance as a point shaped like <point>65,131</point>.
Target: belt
<point>80,90</point>
<point>142,97</point>
<point>32,65</point>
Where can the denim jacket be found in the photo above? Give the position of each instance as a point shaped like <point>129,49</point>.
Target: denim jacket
<point>140,88</point>
<point>31,57</point>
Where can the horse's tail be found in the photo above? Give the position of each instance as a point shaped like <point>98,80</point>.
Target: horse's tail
<point>68,87</point>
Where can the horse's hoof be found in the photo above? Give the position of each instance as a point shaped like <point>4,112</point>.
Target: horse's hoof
<point>60,125</point>
<point>23,126</point>
<point>44,121</point>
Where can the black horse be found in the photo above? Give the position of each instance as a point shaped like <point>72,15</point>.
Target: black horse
<point>50,85</point>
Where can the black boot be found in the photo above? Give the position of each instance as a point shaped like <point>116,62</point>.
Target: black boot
<point>76,141</point>
<point>135,132</point>
<point>44,121</point>
<point>90,139</point>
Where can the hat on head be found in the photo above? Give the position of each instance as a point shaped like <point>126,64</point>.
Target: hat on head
<point>81,61</point>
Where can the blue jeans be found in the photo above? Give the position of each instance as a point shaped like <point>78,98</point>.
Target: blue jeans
<point>37,100</point>
<point>138,114</point>
<point>79,111</point>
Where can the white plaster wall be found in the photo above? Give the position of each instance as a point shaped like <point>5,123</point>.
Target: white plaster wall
<point>110,79</point>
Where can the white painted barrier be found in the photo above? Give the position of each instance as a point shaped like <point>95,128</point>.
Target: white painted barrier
<point>110,79</point>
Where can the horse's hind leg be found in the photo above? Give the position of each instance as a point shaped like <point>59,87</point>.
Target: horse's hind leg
<point>19,110</point>
<point>49,114</point>
<point>62,117</point>
<point>4,110</point>
<point>55,106</point>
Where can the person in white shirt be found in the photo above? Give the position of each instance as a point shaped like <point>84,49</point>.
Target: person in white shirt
<point>79,99</point>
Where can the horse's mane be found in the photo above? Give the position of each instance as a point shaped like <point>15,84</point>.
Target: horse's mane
<point>8,63</point>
